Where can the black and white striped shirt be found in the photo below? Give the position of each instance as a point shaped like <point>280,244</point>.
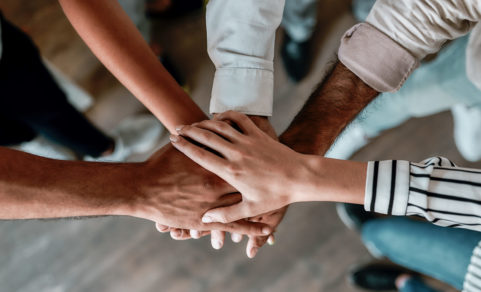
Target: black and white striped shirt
<point>437,189</point>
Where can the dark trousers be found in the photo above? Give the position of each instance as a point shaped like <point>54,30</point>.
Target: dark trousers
<point>31,102</point>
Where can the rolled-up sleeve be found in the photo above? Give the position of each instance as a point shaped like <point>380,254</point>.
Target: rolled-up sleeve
<point>385,49</point>
<point>240,39</point>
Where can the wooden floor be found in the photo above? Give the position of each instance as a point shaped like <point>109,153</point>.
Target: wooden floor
<point>313,251</point>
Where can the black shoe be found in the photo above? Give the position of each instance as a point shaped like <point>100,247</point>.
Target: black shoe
<point>296,57</point>
<point>353,216</point>
<point>178,8</point>
<point>377,276</point>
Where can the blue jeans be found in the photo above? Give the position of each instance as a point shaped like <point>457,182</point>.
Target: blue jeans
<point>442,253</point>
<point>432,88</point>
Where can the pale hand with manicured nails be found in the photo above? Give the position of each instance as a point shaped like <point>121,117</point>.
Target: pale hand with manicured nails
<point>267,174</point>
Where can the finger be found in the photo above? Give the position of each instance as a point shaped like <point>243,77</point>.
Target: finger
<point>180,234</point>
<point>229,214</point>
<point>204,158</point>
<point>242,227</point>
<point>206,138</point>
<point>198,234</point>
<point>162,228</point>
<point>217,239</point>
<point>271,240</point>
<point>254,244</point>
<point>246,125</point>
<point>220,127</point>
<point>236,237</point>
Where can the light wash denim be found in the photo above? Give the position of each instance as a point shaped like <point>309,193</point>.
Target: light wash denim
<point>433,87</point>
<point>415,284</point>
<point>440,252</point>
<point>300,19</point>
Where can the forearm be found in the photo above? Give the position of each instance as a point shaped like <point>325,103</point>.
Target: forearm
<point>36,187</point>
<point>330,180</point>
<point>331,107</point>
<point>114,39</point>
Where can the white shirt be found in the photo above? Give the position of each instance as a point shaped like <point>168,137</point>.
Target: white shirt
<point>385,49</point>
<point>240,40</point>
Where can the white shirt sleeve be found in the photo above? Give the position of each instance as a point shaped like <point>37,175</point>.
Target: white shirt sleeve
<point>436,189</point>
<point>423,26</point>
<point>240,40</point>
<point>397,34</point>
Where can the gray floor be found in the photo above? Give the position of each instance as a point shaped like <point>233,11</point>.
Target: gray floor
<point>313,250</point>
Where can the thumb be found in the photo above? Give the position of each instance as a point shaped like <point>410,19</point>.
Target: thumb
<point>228,214</point>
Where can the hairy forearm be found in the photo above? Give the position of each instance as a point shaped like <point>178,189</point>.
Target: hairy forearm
<point>331,107</point>
<point>115,40</point>
<point>36,187</point>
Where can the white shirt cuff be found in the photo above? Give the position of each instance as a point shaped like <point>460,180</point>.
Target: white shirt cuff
<point>387,187</point>
<point>375,58</point>
<point>249,91</point>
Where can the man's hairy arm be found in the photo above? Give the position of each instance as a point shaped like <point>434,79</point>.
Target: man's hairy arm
<point>331,107</point>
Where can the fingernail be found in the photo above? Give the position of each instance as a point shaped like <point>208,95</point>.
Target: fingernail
<point>195,234</point>
<point>179,128</point>
<point>252,252</point>
<point>271,240</point>
<point>236,237</point>
<point>216,244</point>
<point>266,230</point>
<point>207,219</point>
<point>174,138</point>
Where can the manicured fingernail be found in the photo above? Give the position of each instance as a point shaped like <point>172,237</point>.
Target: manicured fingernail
<point>207,219</point>
<point>271,240</point>
<point>216,244</point>
<point>236,237</point>
<point>179,128</point>
<point>266,230</point>
<point>252,252</point>
<point>195,234</point>
<point>174,138</point>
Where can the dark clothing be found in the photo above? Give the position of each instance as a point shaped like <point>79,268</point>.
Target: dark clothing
<point>31,102</point>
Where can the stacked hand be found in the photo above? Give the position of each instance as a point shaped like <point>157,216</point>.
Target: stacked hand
<point>265,172</point>
<point>272,218</point>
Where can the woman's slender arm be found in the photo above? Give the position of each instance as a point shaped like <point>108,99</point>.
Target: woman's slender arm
<point>114,39</point>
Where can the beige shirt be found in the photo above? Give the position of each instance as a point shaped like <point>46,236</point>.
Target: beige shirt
<point>385,49</point>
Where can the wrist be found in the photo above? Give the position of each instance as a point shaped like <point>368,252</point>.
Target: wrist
<point>332,180</point>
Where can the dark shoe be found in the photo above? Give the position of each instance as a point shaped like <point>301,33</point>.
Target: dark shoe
<point>296,57</point>
<point>377,276</point>
<point>353,216</point>
<point>178,8</point>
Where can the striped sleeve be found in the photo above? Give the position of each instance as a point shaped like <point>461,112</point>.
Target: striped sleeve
<point>472,280</point>
<point>436,189</point>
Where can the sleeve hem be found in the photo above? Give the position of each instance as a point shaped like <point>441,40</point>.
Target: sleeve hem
<point>387,187</point>
<point>375,58</point>
<point>246,90</point>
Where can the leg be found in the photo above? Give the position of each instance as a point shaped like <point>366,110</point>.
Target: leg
<point>443,253</point>
<point>300,19</point>
<point>31,96</point>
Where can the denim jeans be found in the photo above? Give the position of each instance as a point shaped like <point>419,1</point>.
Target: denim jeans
<point>415,284</point>
<point>442,253</point>
<point>300,19</point>
<point>432,88</point>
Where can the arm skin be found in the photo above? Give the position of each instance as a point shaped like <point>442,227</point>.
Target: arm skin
<point>33,187</point>
<point>330,108</point>
<point>114,39</point>
<point>116,42</point>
